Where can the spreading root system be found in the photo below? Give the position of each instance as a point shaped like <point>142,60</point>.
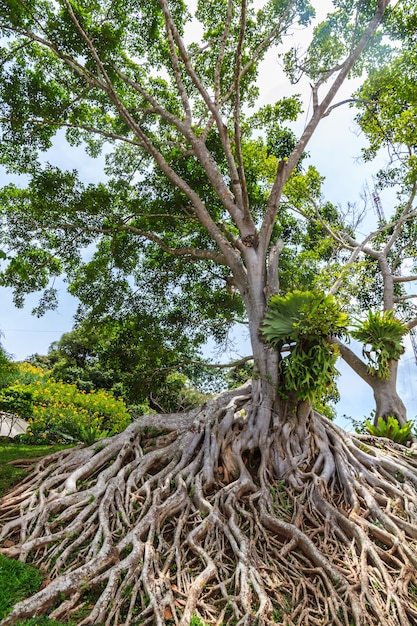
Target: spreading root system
<point>178,520</point>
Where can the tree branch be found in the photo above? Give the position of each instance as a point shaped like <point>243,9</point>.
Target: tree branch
<point>222,51</point>
<point>236,121</point>
<point>404,298</point>
<point>285,169</point>
<point>177,73</point>
<point>405,216</point>
<point>404,279</point>
<point>233,203</point>
<point>342,102</point>
<point>237,363</point>
<point>352,359</point>
<point>272,285</point>
<point>411,323</point>
<point>194,253</point>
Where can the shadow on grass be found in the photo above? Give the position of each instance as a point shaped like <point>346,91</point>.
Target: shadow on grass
<point>27,454</point>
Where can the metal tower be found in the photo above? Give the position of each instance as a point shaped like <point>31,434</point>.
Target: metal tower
<point>376,202</point>
<point>413,337</point>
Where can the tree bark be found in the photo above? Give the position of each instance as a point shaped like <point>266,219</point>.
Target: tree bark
<point>387,400</point>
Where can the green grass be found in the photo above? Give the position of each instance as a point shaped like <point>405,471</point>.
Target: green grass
<point>9,474</point>
<point>17,581</point>
<point>43,621</point>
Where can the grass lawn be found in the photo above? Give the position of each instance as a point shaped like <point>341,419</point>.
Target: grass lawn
<point>11,474</point>
<point>19,580</point>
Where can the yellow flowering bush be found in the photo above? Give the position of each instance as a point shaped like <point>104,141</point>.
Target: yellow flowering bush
<point>61,412</point>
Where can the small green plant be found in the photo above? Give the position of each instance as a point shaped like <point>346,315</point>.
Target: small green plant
<point>196,621</point>
<point>87,433</point>
<point>391,429</point>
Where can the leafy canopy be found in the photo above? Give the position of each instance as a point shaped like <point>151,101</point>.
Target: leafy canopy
<point>201,188</point>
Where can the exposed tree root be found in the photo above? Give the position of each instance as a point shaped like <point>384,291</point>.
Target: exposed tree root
<point>148,528</point>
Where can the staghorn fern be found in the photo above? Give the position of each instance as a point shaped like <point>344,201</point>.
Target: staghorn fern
<point>383,333</point>
<point>302,314</point>
<point>284,314</point>
<point>305,319</point>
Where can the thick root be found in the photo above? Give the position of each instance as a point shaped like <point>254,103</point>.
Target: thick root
<point>177,518</point>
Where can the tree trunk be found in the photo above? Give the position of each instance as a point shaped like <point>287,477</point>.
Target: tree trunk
<point>266,359</point>
<point>387,400</point>
<point>278,427</point>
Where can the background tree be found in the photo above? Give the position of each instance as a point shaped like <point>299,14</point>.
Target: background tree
<point>382,266</point>
<point>6,366</point>
<point>133,359</point>
<point>228,513</point>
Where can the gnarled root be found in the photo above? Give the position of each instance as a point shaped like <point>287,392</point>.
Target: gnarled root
<point>177,517</point>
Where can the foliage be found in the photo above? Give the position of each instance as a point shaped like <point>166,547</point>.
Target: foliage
<point>142,219</point>
<point>302,314</point>
<point>178,395</point>
<point>238,375</point>
<point>17,581</point>
<point>325,405</point>
<point>7,367</point>
<point>61,412</point>
<point>303,322</point>
<point>130,356</point>
<point>388,108</point>
<point>18,400</point>
<point>196,621</point>
<point>391,429</point>
<point>381,333</point>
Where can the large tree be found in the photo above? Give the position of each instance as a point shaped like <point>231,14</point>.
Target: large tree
<point>254,508</point>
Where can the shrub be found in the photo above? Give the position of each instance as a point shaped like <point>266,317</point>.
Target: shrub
<point>62,412</point>
<point>17,399</point>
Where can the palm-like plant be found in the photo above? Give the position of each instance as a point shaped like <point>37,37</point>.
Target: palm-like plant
<point>391,429</point>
